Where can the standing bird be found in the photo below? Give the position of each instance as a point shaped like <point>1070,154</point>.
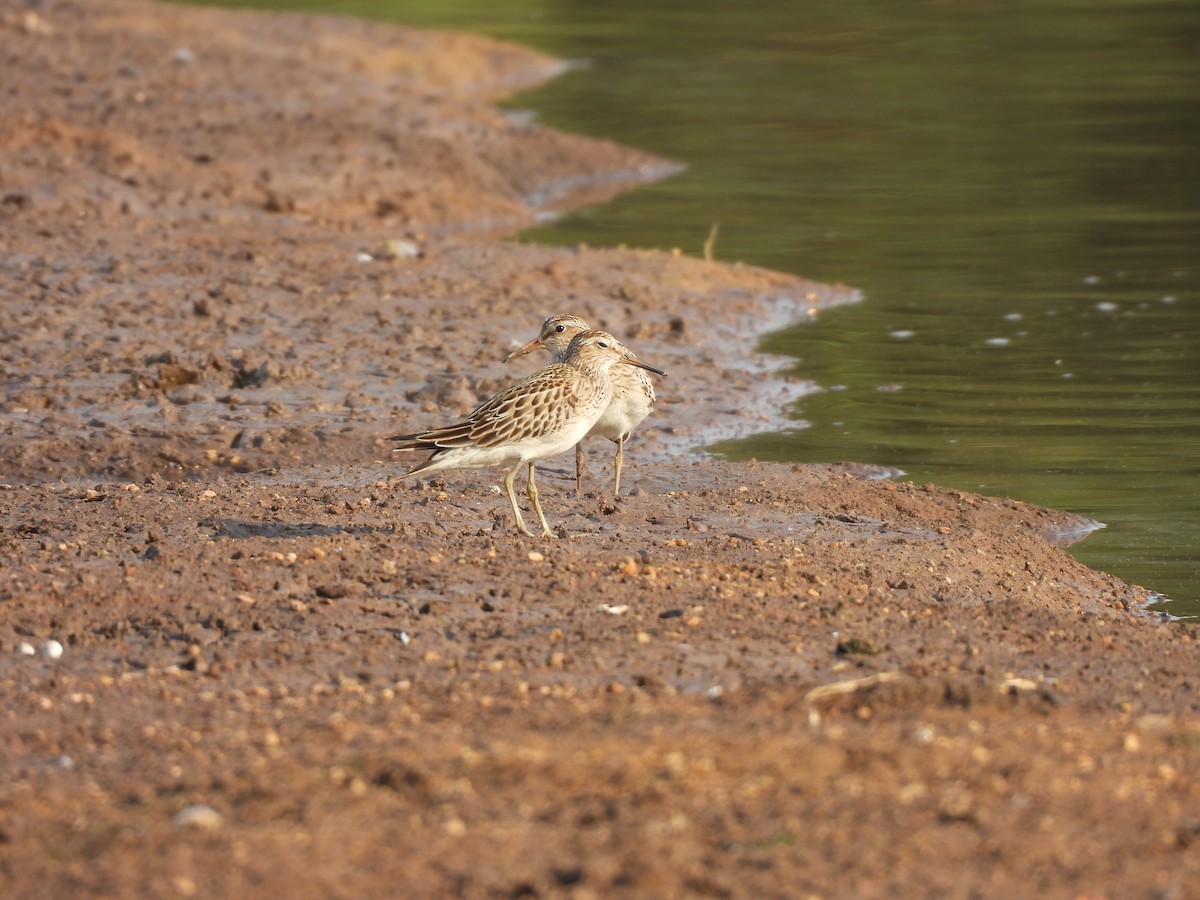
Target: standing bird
<point>632,399</point>
<point>544,414</point>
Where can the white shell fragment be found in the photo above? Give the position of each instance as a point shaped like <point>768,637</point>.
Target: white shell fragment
<point>198,816</point>
<point>52,649</point>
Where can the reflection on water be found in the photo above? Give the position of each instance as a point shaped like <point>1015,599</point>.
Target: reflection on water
<point>1014,187</point>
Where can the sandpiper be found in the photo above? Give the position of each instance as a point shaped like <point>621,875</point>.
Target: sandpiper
<point>539,416</point>
<point>633,392</point>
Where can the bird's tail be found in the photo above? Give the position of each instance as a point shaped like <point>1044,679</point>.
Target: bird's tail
<point>410,442</point>
<point>406,442</point>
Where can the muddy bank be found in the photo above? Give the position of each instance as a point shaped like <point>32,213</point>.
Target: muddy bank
<point>239,250</point>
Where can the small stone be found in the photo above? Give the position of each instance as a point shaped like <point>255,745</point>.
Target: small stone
<point>52,649</point>
<point>399,248</point>
<point>534,556</point>
<point>955,804</point>
<point>32,23</point>
<point>26,649</point>
<point>858,647</point>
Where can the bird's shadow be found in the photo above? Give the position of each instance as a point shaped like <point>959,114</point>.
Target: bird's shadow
<point>237,529</point>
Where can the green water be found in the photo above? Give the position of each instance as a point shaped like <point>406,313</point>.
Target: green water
<point>1014,186</point>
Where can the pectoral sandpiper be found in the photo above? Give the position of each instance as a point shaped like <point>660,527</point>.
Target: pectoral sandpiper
<point>539,416</point>
<point>632,399</point>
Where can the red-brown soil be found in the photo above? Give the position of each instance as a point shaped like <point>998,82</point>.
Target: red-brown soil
<point>288,671</point>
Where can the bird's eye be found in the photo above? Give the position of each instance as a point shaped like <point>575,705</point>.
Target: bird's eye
<point>602,344</point>
<point>560,328</point>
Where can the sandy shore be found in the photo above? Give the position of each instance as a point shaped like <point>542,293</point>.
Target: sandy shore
<point>240,249</point>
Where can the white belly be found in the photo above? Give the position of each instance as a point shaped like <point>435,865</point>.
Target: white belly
<point>632,401</point>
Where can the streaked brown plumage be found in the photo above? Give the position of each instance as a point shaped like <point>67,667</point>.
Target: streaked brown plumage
<point>544,414</point>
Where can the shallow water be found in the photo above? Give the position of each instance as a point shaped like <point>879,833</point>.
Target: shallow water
<point>1014,187</point>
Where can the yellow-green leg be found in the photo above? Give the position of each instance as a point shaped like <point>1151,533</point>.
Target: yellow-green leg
<point>512,498</point>
<point>620,460</point>
<point>579,469</point>
<point>531,489</point>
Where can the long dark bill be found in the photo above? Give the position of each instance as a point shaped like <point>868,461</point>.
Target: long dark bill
<point>642,365</point>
